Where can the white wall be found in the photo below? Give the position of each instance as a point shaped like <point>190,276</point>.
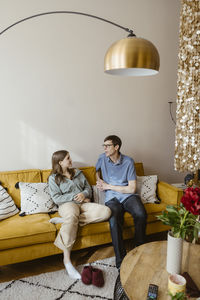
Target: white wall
<point>54,94</point>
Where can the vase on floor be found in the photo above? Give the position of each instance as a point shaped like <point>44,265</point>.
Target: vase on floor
<point>174,254</point>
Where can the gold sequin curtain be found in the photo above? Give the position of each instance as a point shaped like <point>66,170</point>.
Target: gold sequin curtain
<point>187,141</point>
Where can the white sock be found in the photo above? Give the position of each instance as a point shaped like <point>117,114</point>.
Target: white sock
<point>72,272</point>
<point>56,220</point>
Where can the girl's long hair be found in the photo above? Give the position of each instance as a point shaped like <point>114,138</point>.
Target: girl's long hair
<point>56,167</point>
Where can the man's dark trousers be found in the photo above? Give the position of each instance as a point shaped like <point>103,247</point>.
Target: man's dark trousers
<point>135,207</point>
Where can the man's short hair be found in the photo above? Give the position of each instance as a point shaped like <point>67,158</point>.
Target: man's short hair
<point>115,140</point>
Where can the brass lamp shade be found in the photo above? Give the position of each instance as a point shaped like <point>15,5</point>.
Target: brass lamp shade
<point>132,56</point>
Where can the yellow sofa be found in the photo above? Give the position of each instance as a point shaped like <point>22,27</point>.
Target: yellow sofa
<point>32,236</point>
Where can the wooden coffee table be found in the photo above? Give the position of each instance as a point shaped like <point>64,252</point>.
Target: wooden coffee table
<point>147,264</point>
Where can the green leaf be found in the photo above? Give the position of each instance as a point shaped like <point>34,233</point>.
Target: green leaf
<point>183,234</point>
<point>197,225</point>
<point>178,296</point>
<point>171,209</point>
<point>183,223</point>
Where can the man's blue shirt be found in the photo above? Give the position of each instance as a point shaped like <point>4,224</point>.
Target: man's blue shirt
<point>119,173</point>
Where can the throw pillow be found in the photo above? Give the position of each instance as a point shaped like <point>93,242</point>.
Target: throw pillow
<point>146,188</point>
<point>35,198</point>
<point>7,205</point>
<point>98,196</point>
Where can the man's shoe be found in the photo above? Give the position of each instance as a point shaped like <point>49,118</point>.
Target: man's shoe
<point>86,275</point>
<point>97,277</point>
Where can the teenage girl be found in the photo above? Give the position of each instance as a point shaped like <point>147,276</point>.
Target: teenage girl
<point>71,191</point>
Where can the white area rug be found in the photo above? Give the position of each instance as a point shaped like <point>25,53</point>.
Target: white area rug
<point>58,285</point>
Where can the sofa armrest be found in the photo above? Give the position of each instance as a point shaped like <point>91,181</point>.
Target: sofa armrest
<point>168,193</point>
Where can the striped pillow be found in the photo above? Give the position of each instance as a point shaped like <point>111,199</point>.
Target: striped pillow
<point>7,205</point>
<point>98,196</point>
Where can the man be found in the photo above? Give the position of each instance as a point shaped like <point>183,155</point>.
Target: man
<point>119,184</point>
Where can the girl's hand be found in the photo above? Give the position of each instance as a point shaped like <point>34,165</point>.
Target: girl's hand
<point>79,198</point>
<point>86,200</point>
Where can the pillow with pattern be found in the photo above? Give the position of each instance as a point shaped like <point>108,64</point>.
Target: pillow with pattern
<point>7,205</point>
<point>35,198</point>
<point>98,196</point>
<point>146,188</point>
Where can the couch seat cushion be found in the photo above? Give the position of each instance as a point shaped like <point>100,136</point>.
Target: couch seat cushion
<point>19,231</point>
<point>89,172</point>
<point>90,229</point>
<point>152,210</point>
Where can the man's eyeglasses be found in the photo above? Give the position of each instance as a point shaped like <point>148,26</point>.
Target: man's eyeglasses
<point>107,145</point>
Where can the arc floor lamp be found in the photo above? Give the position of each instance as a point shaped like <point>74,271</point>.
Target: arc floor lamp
<point>130,56</point>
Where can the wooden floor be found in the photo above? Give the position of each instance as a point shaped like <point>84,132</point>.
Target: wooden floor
<point>55,262</point>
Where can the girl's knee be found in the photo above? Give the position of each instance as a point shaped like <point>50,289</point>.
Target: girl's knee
<point>70,209</point>
<point>108,212</point>
<point>103,211</point>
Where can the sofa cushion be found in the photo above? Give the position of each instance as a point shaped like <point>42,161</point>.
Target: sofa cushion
<point>90,229</point>
<point>19,231</point>
<point>45,174</point>
<point>152,210</point>
<point>10,178</point>
<point>7,205</point>
<point>89,172</point>
<point>35,198</point>
<point>139,169</point>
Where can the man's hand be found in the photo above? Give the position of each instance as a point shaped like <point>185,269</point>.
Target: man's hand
<point>79,198</point>
<point>102,185</point>
<point>127,189</point>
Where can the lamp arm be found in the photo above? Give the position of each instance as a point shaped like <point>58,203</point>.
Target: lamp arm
<point>68,12</point>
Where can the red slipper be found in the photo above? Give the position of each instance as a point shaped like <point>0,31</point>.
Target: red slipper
<point>97,277</point>
<point>86,275</point>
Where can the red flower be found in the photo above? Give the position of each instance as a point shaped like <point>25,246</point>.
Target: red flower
<point>191,200</point>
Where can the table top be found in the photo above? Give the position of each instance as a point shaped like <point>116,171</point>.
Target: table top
<point>180,185</point>
<point>147,264</point>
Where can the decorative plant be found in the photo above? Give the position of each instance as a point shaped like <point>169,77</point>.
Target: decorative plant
<point>184,218</point>
<point>178,296</point>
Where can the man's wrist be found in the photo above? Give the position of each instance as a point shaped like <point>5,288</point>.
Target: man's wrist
<point>109,187</point>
